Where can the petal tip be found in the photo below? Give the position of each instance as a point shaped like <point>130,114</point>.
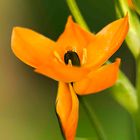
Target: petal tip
<point>126,15</point>
<point>118,61</point>
<point>14,33</point>
<point>70,20</point>
<point>16,29</point>
<point>126,18</point>
<point>13,36</point>
<point>70,17</point>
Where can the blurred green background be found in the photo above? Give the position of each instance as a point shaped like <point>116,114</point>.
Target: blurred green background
<point>27,99</point>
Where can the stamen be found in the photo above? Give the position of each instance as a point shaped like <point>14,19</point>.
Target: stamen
<point>56,54</point>
<point>69,62</point>
<point>74,49</point>
<point>84,59</point>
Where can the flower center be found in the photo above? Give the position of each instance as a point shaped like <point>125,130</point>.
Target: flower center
<point>72,57</point>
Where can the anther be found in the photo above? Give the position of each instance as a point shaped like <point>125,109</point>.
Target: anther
<point>56,54</point>
<point>74,49</point>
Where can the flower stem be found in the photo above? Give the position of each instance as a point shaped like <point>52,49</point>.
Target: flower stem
<point>137,114</point>
<point>93,118</point>
<point>77,14</point>
<point>138,79</point>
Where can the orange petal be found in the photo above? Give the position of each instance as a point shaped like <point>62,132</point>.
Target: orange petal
<point>62,72</point>
<point>98,80</point>
<point>107,42</point>
<point>67,106</point>
<point>31,47</point>
<point>73,37</point>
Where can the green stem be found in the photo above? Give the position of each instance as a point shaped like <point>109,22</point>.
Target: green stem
<point>93,118</point>
<point>138,79</point>
<point>137,114</point>
<point>77,14</point>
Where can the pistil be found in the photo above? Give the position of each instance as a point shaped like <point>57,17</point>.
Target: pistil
<point>73,57</point>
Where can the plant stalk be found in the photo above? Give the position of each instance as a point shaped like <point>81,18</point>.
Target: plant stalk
<point>93,118</point>
<point>137,114</point>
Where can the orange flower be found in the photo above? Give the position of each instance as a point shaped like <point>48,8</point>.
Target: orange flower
<point>75,60</point>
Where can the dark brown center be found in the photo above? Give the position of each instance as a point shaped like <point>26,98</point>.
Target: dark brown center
<point>73,56</point>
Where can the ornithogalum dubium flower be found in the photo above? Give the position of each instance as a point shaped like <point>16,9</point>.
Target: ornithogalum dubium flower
<point>76,60</point>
